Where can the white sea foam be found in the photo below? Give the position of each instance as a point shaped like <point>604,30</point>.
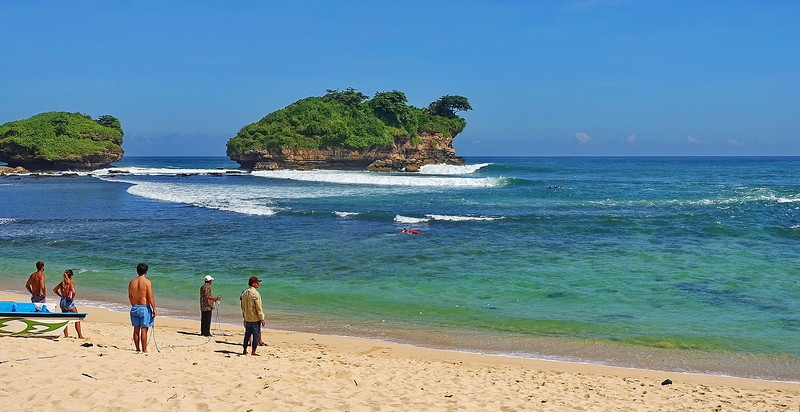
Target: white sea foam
<point>410,220</point>
<point>260,200</point>
<point>461,218</point>
<point>787,199</point>
<point>721,202</point>
<point>245,199</point>
<point>430,176</point>
<point>443,169</point>
<point>257,197</point>
<point>210,196</point>
<point>380,179</point>
<point>5,220</point>
<point>167,171</point>
<point>138,171</point>
<point>253,199</point>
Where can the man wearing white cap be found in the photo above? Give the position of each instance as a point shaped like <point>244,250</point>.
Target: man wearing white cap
<point>206,306</point>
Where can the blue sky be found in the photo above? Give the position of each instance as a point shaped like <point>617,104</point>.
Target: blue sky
<point>546,78</point>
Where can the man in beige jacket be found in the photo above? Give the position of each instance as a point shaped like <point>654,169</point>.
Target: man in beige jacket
<point>253,315</point>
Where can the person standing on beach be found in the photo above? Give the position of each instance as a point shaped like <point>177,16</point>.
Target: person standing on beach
<point>66,291</point>
<point>206,306</point>
<point>35,284</point>
<point>143,306</point>
<point>253,315</point>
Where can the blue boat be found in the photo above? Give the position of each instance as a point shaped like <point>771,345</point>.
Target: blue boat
<point>34,319</point>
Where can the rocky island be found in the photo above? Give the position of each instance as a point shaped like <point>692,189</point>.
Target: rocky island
<point>347,130</point>
<point>61,141</point>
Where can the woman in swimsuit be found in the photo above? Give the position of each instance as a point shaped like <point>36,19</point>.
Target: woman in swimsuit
<point>66,290</point>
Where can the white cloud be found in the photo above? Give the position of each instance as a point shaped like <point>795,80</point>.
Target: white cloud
<point>692,140</point>
<point>583,137</point>
<point>734,142</point>
<point>631,139</point>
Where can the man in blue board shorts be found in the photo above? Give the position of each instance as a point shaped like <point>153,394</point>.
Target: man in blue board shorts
<point>141,316</point>
<point>143,306</point>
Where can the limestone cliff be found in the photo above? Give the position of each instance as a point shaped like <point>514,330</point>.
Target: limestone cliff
<point>7,170</point>
<point>432,148</point>
<point>85,162</point>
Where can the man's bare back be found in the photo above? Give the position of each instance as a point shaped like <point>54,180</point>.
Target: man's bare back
<point>140,292</point>
<point>35,284</point>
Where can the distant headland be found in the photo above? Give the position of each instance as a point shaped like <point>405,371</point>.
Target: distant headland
<point>347,130</point>
<point>61,141</point>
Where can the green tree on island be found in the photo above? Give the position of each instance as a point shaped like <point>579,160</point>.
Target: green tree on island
<point>349,97</point>
<point>448,105</point>
<point>391,108</point>
<point>110,121</point>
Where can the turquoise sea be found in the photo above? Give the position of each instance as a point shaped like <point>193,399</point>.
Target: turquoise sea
<point>682,264</point>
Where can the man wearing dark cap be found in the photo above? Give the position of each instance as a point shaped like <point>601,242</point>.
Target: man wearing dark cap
<point>253,315</point>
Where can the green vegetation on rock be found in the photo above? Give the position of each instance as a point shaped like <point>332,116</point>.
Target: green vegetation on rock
<point>350,120</point>
<point>59,135</point>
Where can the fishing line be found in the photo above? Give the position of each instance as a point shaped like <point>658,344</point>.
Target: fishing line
<point>153,335</point>
<point>217,328</point>
<point>158,349</point>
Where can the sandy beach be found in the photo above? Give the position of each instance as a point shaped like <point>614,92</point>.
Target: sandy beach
<point>308,372</point>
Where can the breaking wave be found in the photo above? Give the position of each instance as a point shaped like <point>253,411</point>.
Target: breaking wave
<point>379,179</point>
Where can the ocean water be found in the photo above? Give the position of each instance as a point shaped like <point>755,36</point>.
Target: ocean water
<point>680,264</point>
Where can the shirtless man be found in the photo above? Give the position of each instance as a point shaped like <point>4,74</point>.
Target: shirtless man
<point>143,306</point>
<point>35,284</point>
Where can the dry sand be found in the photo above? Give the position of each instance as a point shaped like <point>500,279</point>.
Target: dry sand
<point>307,372</point>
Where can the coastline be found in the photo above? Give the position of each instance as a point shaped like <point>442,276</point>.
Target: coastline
<point>185,371</point>
<point>758,367</point>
